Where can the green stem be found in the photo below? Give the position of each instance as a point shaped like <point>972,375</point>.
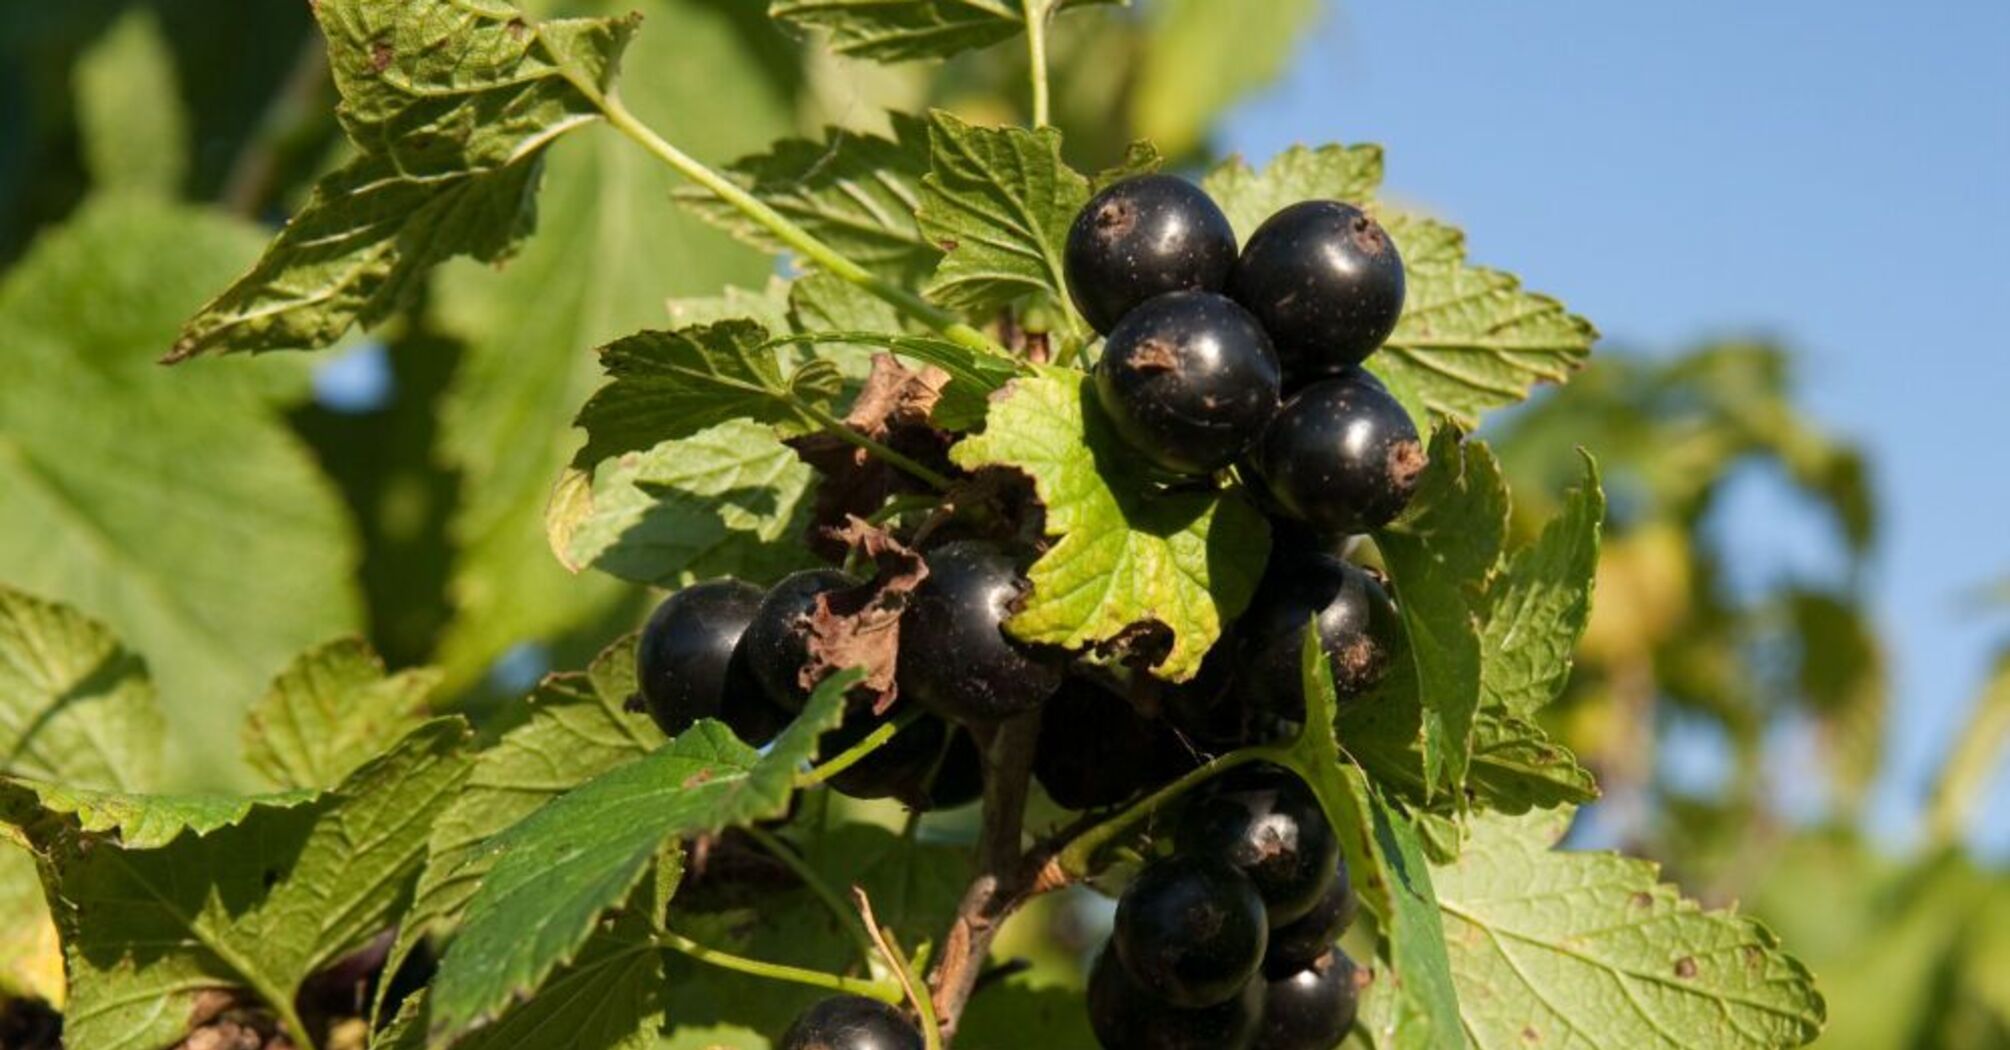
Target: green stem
<point>1036,55</point>
<point>887,992</point>
<point>1074,859</point>
<point>845,917</point>
<point>849,434</point>
<point>802,241</point>
<point>856,753</point>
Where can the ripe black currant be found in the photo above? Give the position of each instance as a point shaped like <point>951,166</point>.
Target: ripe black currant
<point>1342,455</point>
<point>1264,821</point>
<point>956,780</point>
<point>1327,283</point>
<point>1189,381</point>
<point>1095,749</point>
<point>1311,1009</point>
<point>689,666</point>
<point>775,645</point>
<point>1358,627</point>
<point>1144,237</point>
<point>1300,944</point>
<point>954,657</point>
<point>896,767</point>
<point>851,1022</point>
<point>1190,930</point>
<point>1126,1016</point>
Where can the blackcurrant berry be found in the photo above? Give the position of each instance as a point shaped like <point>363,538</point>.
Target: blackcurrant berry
<point>1210,710</point>
<point>896,768</point>
<point>1191,930</point>
<point>1342,455</point>
<point>1188,380</point>
<point>1298,945</point>
<point>851,1022</point>
<point>1144,237</point>
<point>1126,1016</point>
<point>776,646</point>
<point>689,666</point>
<point>954,657</point>
<point>1358,628</point>
<point>1095,749</point>
<point>956,780</point>
<point>1327,283</point>
<point>1311,1009</point>
<point>1264,821</point>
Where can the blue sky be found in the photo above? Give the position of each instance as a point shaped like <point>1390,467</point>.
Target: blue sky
<point>1836,175</point>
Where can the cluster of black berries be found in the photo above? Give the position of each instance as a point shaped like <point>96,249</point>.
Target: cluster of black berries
<point>1229,942</point>
<point>1214,357</point>
<point>725,649</point>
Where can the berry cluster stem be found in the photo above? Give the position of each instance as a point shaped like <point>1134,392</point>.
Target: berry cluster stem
<point>887,992</point>
<point>1036,55</point>
<point>802,241</point>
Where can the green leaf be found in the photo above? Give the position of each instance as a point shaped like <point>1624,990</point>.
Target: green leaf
<point>1516,767</point>
<point>452,107</point>
<point>31,955</point>
<point>769,307</point>
<point>902,30</point>
<point>999,201</point>
<point>1205,55</point>
<point>133,820</point>
<point>576,730</point>
<point>331,711</point>
<point>1557,948</point>
<point>1386,862</point>
<point>854,191</point>
<point>75,705</point>
<point>668,385</point>
<point>560,869</point>
<point>728,501</point>
<point>151,927</point>
<point>1128,555</point>
<point>214,544</point>
<point>1540,604</point>
<point>1441,554</point>
<point>129,111</point>
<point>1470,338</point>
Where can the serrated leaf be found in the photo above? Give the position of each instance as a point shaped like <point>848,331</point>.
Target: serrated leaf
<point>1127,553</point>
<point>1470,338</point>
<point>608,254</point>
<point>903,30</point>
<point>215,545</point>
<point>329,712</point>
<point>556,872</point>
<point>854,191</point>
<point>253,908</point>
<point>1385,860</point>
<point>1538,607</point>
<point>668,385</point>
<point>1569,949</point>
<point>1517,767</point>
<point>129,111</point>
<point>451,106</point>
<point>728,501</point>
<point>767,307</point>
<point>31,954</point>
<point>75,705</point>
<point>999,201</point>
<point>1441,553</point>
<point>577,729</point>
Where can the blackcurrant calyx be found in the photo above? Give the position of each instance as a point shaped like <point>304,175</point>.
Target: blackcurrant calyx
<point>851,1022</point>
<point>1327,283</point>
<point>1302,942</point>
<point>1358,625</point>
<point>1190,930</point>
<point>1342,455</point>
<point>1311,1009</point>
<point>689,666</point>
<point>1144,237</point>
<point>1126,1016</point>
<point>1265,822</point>
<point>1094,749</point>
<point>776,645</point>
<point>954,657</point>
<point>1189,381</point>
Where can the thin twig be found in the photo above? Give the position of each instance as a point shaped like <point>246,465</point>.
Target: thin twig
<point>903,971</point>
<point>884,991</point>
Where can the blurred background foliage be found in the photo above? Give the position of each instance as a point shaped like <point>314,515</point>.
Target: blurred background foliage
<point>224,515</point>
